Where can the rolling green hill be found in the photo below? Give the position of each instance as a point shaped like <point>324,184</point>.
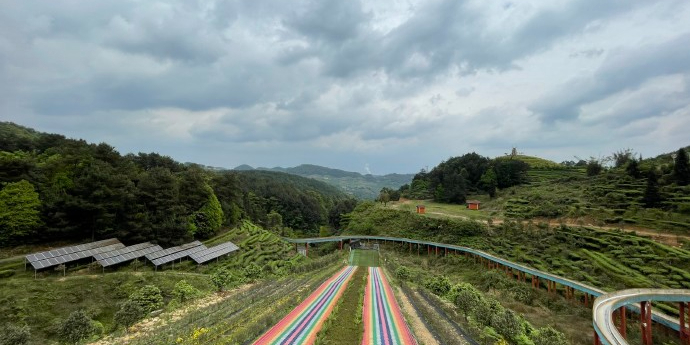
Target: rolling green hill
<point>355,184</point>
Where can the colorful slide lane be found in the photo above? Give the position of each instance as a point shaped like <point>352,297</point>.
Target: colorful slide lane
<point>304,322</point>
<point>383,321</point>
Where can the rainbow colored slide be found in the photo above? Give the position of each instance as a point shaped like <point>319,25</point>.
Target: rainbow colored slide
<point>383,321</point>
<point>304,322</point>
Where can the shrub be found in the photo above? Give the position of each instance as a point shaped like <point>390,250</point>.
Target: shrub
<point>130,312</point>
<point>439,285</point>
<point>466,297</point>
<point>507,323</point>
<point>403,273</point>
<point>184,292</point>
<point>14,335</point>
<point>98,328</point>
<point>149,298</point>
<point>221,278</point>
<point>493,279</point>
<point>76,327</point>
<point>549,336</point>
<point>252,271</point>
<point>523,293</point>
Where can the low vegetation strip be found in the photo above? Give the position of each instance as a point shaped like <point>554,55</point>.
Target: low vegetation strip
<point>304,322</point>
<point>344,326</point>
<point>365,258</point>
<point>383,321</point>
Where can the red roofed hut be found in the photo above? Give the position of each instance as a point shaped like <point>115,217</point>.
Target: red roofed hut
<point>473,204</point>
<point>421,209</point>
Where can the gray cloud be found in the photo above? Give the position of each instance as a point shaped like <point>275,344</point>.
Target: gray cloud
<point>622,70</point>
<point>394,83</point>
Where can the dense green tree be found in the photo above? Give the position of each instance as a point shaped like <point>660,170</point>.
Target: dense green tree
<point>510,172</point>
<point>633,168</point>
<point>466,298</point>
<point>489,182</point>
<point>209,218</point>
<point>19,211</point>
<point>384,197</point>
<point>652,196</point>
<point>274,221</point>
<point>165,218</point>
<point>225,186</point>
<point>129,313</point>
<point>594,167</point>
<point>681,168</point>
<point>76,327</point>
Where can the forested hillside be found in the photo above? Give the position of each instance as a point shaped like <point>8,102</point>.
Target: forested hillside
<point>451,181</point>
<point>353,183</point>
<point>56,188</point>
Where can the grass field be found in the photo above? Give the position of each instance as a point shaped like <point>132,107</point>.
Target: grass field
<point>365,258</point>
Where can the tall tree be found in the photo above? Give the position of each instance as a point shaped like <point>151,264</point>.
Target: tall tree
<point>681,168</point>
<point>489,182</point>
<point>633,168</point>
<point>19,211</point>
<point>652,197</point>
<point>384,197</point>
<point>594,167</point>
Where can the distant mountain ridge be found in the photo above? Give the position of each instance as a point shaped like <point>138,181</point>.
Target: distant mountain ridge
<point>353,183</point>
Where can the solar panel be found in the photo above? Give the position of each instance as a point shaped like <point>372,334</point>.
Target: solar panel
<point>122,251</point>
<point>166,252</point>
<point>69,250</point>
<point>178,255</point>
<point>126,254</point>
<point>214,252</point>
<point>63,255</point>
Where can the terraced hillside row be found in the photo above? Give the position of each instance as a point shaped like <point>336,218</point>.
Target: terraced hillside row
<point>258,247</point>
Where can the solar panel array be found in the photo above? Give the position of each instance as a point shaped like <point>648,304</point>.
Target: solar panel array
<point>68,254</point>
<point>188,249</point>
<point>214,252</point>
<point>127,253</point>
<point>110,252</point>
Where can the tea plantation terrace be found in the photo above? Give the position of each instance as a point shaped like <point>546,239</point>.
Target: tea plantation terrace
<point>112,252</point>
<point>605,306</point>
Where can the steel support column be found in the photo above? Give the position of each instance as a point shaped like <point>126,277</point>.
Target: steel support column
<point>684,315</point>
<point>623,327</point>
<point>646,322</point>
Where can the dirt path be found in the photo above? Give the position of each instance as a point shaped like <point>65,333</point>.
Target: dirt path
<point>419,327</point>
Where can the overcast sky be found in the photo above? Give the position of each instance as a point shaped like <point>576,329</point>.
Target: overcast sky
<point>385,85</point>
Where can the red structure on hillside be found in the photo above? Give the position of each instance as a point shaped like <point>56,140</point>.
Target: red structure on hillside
<point>421,209</point>
<point>473,204</point>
